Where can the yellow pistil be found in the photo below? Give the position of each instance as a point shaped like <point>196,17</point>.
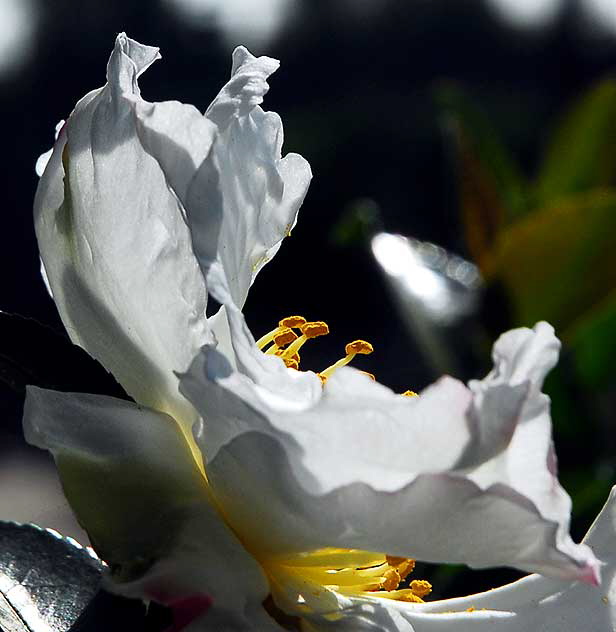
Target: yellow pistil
<point>351,350</point>
<point>309,330</point>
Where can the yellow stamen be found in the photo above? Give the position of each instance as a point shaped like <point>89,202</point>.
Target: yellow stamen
<point>351,350</point>
<point>282,338</point>
<point>294,322</point>
<point>353,572</point>
<point>392,579</point>
<point>335,558</point>
<point>421,587</point>
<point>370,375</point>
<point>404,594</point>
<point>290,322</point>
<point>267,338</point>
<point>309,330</point>
<point>292,362</point>
<point>404,565</point>
<point>410,394</point>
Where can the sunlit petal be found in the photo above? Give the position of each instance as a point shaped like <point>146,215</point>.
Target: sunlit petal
<point>115,245</point>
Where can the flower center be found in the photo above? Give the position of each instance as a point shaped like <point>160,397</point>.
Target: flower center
<point>284,342</point>
<point>307,579</point>
<point>348,572</point>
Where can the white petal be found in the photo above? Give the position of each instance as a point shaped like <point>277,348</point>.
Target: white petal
<point>530,604</point>
<point>522,358</point>
<point>261,192</point>
<point>360,467</point>
<point>115,245</point>
<point>436,517</point>
<point>130,478</point>
<point>227,620</point>
<point>43,159</point>
<point>179,137</point>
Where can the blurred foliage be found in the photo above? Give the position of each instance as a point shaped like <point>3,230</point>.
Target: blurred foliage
<point>359,221</point>
<point>548,240</point>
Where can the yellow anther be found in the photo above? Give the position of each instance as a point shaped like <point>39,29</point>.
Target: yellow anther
<point>404,565</point>
<point>359,346</point>
<point>421,587</point>
<point>358,573</point>
<point>405,568</point>
<point>284,337</point>
<point>309,330</point>
<point>314,329</point>
<point>394,560</point>
<point>391,579</point>
<point>400,595</point>
<point>352,349</point>
<point>292,322</point>
<point>286,323</point>
<point>410,394</point>
<point>292,364</point>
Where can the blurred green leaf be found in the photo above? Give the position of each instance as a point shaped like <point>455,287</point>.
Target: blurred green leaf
<point>580,154</point>
<point>491,188</point>
<point>482,156</point>
<point>559,262</point>
<point>588,492</point>
<point>593,342</point>
<point>357,223</point>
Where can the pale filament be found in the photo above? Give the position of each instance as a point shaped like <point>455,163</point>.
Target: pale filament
<point>290,322</point>
<point>351,350</point>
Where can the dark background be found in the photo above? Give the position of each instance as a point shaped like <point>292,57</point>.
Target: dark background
<point>356,91</point>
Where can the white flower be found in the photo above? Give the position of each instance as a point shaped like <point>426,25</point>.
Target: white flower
<point>235,478</point>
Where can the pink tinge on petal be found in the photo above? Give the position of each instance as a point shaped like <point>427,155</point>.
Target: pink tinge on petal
<point>186,609</point>
<point>591,574</point>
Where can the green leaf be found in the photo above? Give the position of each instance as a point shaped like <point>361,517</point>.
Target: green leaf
<point>580,154</point>
<point>593,342</point>
<point>561,261</point>
<point>360,220</point>
<point>491,189</point>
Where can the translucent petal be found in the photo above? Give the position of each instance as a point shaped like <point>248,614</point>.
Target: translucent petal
<point>532,603</point>
<point>115,245</point>
<point>131,480</point>
<point>261,192</point>
<point>357,466</point>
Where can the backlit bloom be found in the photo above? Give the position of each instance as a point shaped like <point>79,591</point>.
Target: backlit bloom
<point>239,488</point>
